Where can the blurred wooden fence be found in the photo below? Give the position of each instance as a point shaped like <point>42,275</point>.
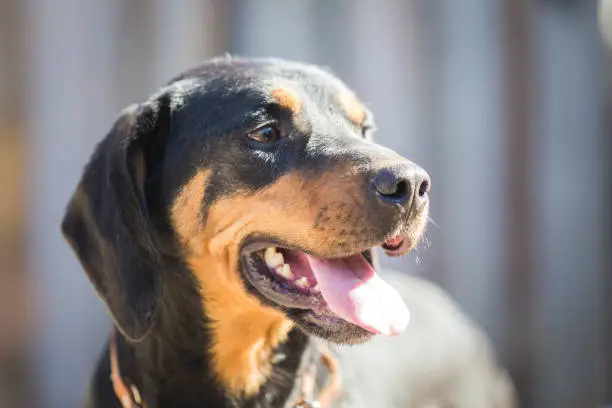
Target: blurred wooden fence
<point>502,101</point>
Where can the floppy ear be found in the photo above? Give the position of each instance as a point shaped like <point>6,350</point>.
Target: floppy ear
<point>107,221</point>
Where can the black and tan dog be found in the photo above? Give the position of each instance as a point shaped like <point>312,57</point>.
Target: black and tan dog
<point>227,220</point>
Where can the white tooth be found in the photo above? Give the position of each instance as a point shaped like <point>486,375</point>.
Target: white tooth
<point>302,282</point>
<point>285,272</point>
<point>277,261</point>
<point>273,259</point>
<point>316,288</point>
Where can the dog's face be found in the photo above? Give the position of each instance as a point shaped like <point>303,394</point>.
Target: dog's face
<point>264,173</point>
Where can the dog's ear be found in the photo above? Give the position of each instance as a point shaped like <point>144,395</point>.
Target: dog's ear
<point>108,224</point>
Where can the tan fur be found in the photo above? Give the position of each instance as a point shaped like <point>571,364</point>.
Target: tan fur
<point>245,332</point>
<point>187,208</point>
<point>353,109</point>
<point>287,99</point>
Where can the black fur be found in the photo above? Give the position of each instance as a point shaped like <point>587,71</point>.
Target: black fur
<point>108,221</point>
<point>118,220</point>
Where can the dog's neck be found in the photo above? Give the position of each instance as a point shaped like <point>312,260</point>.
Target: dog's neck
<point>175,364</point>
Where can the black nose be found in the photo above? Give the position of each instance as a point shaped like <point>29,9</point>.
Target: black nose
<point>406,185</point>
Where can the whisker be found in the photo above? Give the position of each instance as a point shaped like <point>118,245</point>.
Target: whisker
<point>433,223</point>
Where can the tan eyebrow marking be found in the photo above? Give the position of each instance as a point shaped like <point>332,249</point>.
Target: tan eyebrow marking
<point>353,109</point>
<point>287,99</point>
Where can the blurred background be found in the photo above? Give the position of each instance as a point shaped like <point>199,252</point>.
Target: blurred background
<point>505,102</point>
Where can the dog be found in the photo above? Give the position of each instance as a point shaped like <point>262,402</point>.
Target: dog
<point>230,223</point>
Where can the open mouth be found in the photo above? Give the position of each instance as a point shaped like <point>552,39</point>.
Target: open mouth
<point>334,291</point>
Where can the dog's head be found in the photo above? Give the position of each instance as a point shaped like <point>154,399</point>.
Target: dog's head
<point>261,176</point>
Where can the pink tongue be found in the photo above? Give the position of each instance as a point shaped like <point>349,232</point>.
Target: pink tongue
<point>354,291</point>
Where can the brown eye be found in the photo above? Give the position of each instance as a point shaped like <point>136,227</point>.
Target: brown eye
<point>265,134</point>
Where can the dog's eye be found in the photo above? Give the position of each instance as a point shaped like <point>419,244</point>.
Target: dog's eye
<point>265,134</point>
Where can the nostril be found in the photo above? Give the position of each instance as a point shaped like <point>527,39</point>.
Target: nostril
<point>391,187</point>
<point>404,185</point>
<point>423,188</point>
<point>401,190</point>
<point>385,182</point>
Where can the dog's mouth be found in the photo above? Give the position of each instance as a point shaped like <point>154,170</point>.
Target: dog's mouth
<point>333,290</point>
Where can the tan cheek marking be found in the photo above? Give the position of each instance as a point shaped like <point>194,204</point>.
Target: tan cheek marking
<point>287,99</point>
<point>294,215</point>
<point>245,333</point>
<point>353,109</point>
<point>186,211</point>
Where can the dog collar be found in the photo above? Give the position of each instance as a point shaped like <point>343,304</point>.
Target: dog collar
<point>130,397</point>
<point>329,393</point>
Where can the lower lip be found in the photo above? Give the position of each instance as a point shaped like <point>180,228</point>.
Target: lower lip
<point>397,250</point>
